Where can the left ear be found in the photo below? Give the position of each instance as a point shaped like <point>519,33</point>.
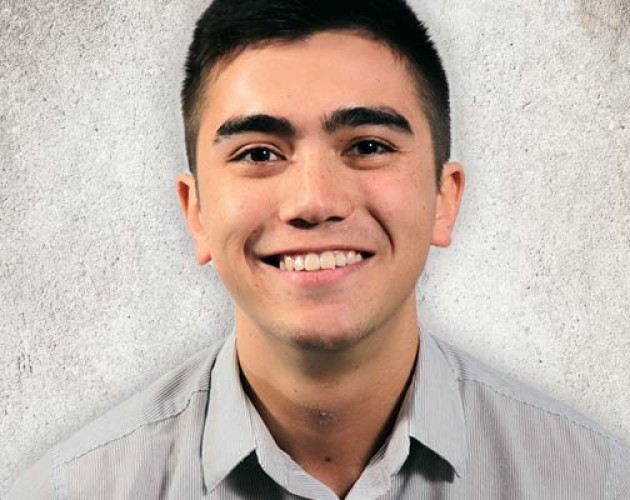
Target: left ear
<point>447,204</point>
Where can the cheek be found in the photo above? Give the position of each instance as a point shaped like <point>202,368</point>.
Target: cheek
<point>234,213</point>
<point>405,203</point>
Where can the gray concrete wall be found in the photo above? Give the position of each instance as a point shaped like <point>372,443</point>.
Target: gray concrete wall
<point>99,291</point>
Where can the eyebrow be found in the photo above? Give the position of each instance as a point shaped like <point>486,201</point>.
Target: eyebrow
<point>358,116</point>
<point>341,118</point>
<point>262,123</point>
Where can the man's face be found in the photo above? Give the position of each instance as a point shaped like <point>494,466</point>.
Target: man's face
<point>309,151</point>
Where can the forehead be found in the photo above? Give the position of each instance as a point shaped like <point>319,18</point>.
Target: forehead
<point>311,77</point>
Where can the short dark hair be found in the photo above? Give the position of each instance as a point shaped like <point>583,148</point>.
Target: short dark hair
<point>228,27</point>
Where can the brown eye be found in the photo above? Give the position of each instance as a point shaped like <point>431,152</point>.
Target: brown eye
<point>369,147</point>
<point>258,155</point>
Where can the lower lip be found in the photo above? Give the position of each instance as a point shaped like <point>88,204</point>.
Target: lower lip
<point>321,277</point>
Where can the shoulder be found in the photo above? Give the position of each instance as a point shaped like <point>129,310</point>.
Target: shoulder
<point>513,422</point>
<point>167,398</point>
<point>147,423</point>
<point>479,381</point>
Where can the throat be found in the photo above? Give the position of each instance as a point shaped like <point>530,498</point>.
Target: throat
<point>330,412</point>
<point>334,446</point>
<point>325,418</point>
<point>331,434</point>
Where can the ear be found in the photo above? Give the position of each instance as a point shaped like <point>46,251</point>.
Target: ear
<point>187,192</point>
<point>447,203</point>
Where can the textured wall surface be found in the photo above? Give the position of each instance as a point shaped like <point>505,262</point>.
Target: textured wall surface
<point>99,291</point>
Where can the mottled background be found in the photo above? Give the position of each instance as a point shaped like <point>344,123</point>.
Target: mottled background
<point>98,286</point>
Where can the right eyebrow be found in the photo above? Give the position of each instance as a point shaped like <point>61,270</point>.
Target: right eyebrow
<point>266,124</point>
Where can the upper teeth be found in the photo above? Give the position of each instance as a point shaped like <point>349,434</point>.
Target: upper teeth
<point>315,262</point>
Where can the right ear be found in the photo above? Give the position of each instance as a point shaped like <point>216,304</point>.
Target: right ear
<point>187,192</point>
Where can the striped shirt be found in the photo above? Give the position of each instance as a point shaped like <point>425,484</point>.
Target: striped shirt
<point>463,432</point>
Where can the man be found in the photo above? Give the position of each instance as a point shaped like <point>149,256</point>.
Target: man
<point>318,139</point>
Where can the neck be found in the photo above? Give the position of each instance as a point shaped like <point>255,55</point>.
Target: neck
<point>330,411</point>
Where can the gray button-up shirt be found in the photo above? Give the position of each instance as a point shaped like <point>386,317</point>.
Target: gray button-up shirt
<point>463,432</point>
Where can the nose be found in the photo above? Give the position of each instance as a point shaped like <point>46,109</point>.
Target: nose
<point>316,191</point>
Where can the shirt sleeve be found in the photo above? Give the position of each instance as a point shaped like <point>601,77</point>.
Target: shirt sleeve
<point>36,483</point>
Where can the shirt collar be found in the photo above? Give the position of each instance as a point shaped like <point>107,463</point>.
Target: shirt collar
<point>228,436</point>
<point>437,416</point>
<point>434,415</point>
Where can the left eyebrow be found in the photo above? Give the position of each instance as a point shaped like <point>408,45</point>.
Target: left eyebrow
<point>358,116</point>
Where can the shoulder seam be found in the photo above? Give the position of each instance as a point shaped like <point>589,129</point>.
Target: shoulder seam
<point>532,404</point>
<point>59,488</point>
<point>133,430</point>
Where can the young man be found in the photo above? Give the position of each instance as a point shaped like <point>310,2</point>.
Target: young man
<point>318,140</point>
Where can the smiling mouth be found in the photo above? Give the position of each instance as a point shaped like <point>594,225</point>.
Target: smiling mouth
<point>313,262</point>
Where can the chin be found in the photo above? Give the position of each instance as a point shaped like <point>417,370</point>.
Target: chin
<point>335,338</point>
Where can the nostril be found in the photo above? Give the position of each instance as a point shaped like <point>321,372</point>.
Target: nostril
<point>334,219</point>
<point>302,224</point>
